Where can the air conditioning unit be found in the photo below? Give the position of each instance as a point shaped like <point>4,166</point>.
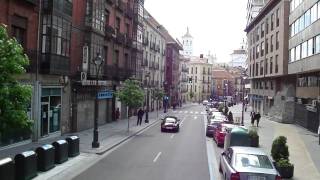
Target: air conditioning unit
<point>314,103</point>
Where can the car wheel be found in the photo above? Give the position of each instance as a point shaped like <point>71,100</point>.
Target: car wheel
<point>178,129</point>
<point>162,130</point>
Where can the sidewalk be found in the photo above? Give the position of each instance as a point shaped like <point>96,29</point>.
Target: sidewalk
<point>110,136</point>
<point>303,145</point>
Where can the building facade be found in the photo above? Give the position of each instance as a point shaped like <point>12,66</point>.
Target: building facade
<point>183,69</point>
<point>304,64</point>
<point>200,74</point>
<point>253,9</point>
<point>223,83</point>
<point>153,59</point>
<point>267,37</point>
<point>239,57</point>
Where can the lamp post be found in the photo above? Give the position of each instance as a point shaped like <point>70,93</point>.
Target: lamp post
<point>147,110</point>
<point>97,61</point>
<point>243,89</point>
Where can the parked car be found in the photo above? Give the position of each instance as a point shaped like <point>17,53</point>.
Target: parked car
<point>215,113</point>
<point>213,124</point>
<point>221,131</point>
<point>170,123</point>
<point>247,163</point>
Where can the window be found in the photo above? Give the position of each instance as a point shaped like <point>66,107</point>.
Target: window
<point>292,54</point>
<point>317,44</point>
<point>107,14</point>
<point>261,68</point>
<point>304,49</point>
<point>254,161</point>
<point>257,48</point>
<point>266,85</point>
<point>272,19</point>
<point>20,35</point>
<point>310,47</point>
<point>276,64</point>
<point>252,70</point>
<point>116,58</point>
<point>258,33</point>
<point>271,65</point>
<point>118,21</point>
<point>127,30</point>
<point>318,10</point>
<point>195,88</point>
<point>271,43</point>
<point>262,48</point>
<point>307,18</point>
<point>267,25</point>
<point>196,79</point>
<point>297,26</point>
<point>253,53</point>
<point>271,85</point>
<point>266,68</point>
<point>277,40</point>
<point>267,46</point>
<point>298,52</point>
<point>257,67</point>
<point>196,70</point>
<point>262,30</point>
<point>301,26</point>
<point>277,17</point>
<point>314,14</point>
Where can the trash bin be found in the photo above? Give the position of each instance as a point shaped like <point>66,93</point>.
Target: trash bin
<point>73,143</point>
<point>46,159</point>
<point>7,169</point>
<point>61,151</point>
<point>25,165</point>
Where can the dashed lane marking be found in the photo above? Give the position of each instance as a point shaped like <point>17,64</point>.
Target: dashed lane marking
<point>156,158</point>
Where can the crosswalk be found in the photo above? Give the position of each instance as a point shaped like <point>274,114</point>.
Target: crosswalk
<point>190,112</point>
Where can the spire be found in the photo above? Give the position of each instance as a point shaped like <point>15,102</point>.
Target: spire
<point>187,34</point>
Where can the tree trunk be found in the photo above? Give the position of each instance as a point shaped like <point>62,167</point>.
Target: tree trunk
<point>128,119</point>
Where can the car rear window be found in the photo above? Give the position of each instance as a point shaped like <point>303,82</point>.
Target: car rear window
<point>170,120</point>
<point>253,160</point>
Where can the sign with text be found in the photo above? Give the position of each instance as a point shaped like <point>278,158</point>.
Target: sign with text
<point>105,94</point>
<point>93,83</point>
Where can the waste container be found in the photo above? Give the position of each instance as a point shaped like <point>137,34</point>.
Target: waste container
<point>61,151</point>
<point>73,143</point>
<point>46,154</point>
<point>26,165</point>
<point>6,169</point>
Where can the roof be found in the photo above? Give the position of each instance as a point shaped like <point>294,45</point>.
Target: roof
<point>239,51</point>
<point>153,22</point>
<point>221,74</point>
<point>187,34</point>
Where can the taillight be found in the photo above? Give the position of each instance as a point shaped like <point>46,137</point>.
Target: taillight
<point>278,177</point>
<point>235,176</point>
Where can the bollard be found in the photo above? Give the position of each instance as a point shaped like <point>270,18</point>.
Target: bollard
<point>61,151</point>
<point>25,165</point>
<point>6,169</point>
<point>73,143</point>
<point>46,154</point>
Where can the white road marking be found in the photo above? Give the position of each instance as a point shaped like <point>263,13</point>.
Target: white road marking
<point>172,136</point>
<point>195,117</point>
<point>191,112</point>
<point>196,112</point>
<point>156,158</point>
<point>182,122</point>
<point>186,112</point>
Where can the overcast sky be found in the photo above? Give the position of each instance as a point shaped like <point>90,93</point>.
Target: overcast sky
<point>216,25</point>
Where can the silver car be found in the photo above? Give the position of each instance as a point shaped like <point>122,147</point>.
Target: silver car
<point>247,163</point>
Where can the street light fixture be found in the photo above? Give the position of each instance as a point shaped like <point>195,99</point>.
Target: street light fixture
<point>147,76</point>
<point>97,61</point>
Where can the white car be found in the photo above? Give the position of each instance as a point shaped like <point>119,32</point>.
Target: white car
<point>205,102</point>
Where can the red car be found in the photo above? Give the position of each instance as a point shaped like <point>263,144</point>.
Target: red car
<point>221,131</point>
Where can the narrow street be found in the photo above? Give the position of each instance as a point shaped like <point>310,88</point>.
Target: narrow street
<point>159,156</point>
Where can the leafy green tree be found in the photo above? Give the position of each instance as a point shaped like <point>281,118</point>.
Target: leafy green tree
<point>14,97</point>
<point>158,95</point>
<point>131,95</point>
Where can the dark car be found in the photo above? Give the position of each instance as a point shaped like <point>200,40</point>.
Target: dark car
<point>213,124</point>
<point>170,123</point>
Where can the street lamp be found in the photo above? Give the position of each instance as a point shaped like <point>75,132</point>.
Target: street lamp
<point>243,89</point>
<point>147,110</point>
<point>97,61</point>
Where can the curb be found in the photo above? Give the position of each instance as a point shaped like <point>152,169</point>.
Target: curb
<point>126,138</point>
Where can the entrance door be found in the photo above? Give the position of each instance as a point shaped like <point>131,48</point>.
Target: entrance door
<point>44,118</point>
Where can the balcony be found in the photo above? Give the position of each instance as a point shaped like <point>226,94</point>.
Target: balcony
<point>151,65</point>
<point>184,79</point>
<point>157,48</point>
<point>129,12</point>
<point>153,46</point>
<point>145,41</point>
<point>185,69</point>
<point>144,62</point>
<point>204,72</point>
<point>120,38</point>
<point>113,72</point>
<point>128,41</point>
<point>109,31</point>
<point>54,64</point>
<point>209,73</point>
<point>120,5</point>
<point>156,66</point>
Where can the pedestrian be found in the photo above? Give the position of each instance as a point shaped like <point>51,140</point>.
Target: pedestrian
<point>230,117</point>
<point>245,107</point>
<point>252,114</point>
<point>117,113</point>
<point>140,115</point>
<point>257,117</point>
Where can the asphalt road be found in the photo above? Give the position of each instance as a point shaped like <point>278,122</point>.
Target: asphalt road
<point>160,156</point>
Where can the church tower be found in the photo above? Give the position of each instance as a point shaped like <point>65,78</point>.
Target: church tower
<point>187,42</point>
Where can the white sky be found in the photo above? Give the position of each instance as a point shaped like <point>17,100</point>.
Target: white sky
<point>216,25</point>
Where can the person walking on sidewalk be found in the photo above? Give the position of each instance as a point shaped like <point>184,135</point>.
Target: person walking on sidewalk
<point>140,115</point>
<point>252,114</point>
<point>257,117</point>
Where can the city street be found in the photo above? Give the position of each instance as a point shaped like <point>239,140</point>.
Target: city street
<point>160,156</point>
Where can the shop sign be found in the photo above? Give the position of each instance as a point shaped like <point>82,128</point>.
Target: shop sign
<point>105,94</point>
<point>93,83</point>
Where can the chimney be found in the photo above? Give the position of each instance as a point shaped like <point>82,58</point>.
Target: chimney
<point>201,56</point>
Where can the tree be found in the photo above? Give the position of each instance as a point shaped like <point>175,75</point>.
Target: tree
<point>158,95</point>
<point>191,95</point>
<point>14,97</point>
<point>131,95</point>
